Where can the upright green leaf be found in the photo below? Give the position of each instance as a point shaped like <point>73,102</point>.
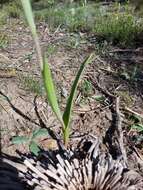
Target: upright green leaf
<point>67,112</point>
<point>48,82</point>
<point>50,90</point>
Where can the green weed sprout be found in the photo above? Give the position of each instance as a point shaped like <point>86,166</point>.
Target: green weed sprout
<point>31,140</point>
<point>47,77</point>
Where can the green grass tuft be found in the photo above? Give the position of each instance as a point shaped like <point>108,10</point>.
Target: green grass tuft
<point>31,84</point>
<point>119,28</point>
<point>4,40</point>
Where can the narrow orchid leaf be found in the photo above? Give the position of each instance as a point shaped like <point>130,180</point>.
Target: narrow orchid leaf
<point>50,90</point>
<point>68,109</point>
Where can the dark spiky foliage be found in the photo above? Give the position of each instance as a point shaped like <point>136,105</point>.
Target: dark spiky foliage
<point>86,167</point>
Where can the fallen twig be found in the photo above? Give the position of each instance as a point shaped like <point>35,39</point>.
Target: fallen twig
<point>133,112</point>
<point>124,51</point>
<point>108,70</point>
<point>17,110</point>
<point>103,90</point>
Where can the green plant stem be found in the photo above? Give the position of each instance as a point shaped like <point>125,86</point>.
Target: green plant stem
<point>66,134</point>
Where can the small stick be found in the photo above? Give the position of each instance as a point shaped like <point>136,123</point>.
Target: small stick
<point>133,112</point>
<point>103,90</point>
<point>124,51</point>
<point>17,110</point>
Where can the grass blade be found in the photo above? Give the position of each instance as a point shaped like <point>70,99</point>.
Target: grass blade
<point>29,16</point>
<point>138,127</point>
<point>67,112</point>
<point>50,90</point>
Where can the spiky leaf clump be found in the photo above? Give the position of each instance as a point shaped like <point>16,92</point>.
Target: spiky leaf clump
<point>86,167</point>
